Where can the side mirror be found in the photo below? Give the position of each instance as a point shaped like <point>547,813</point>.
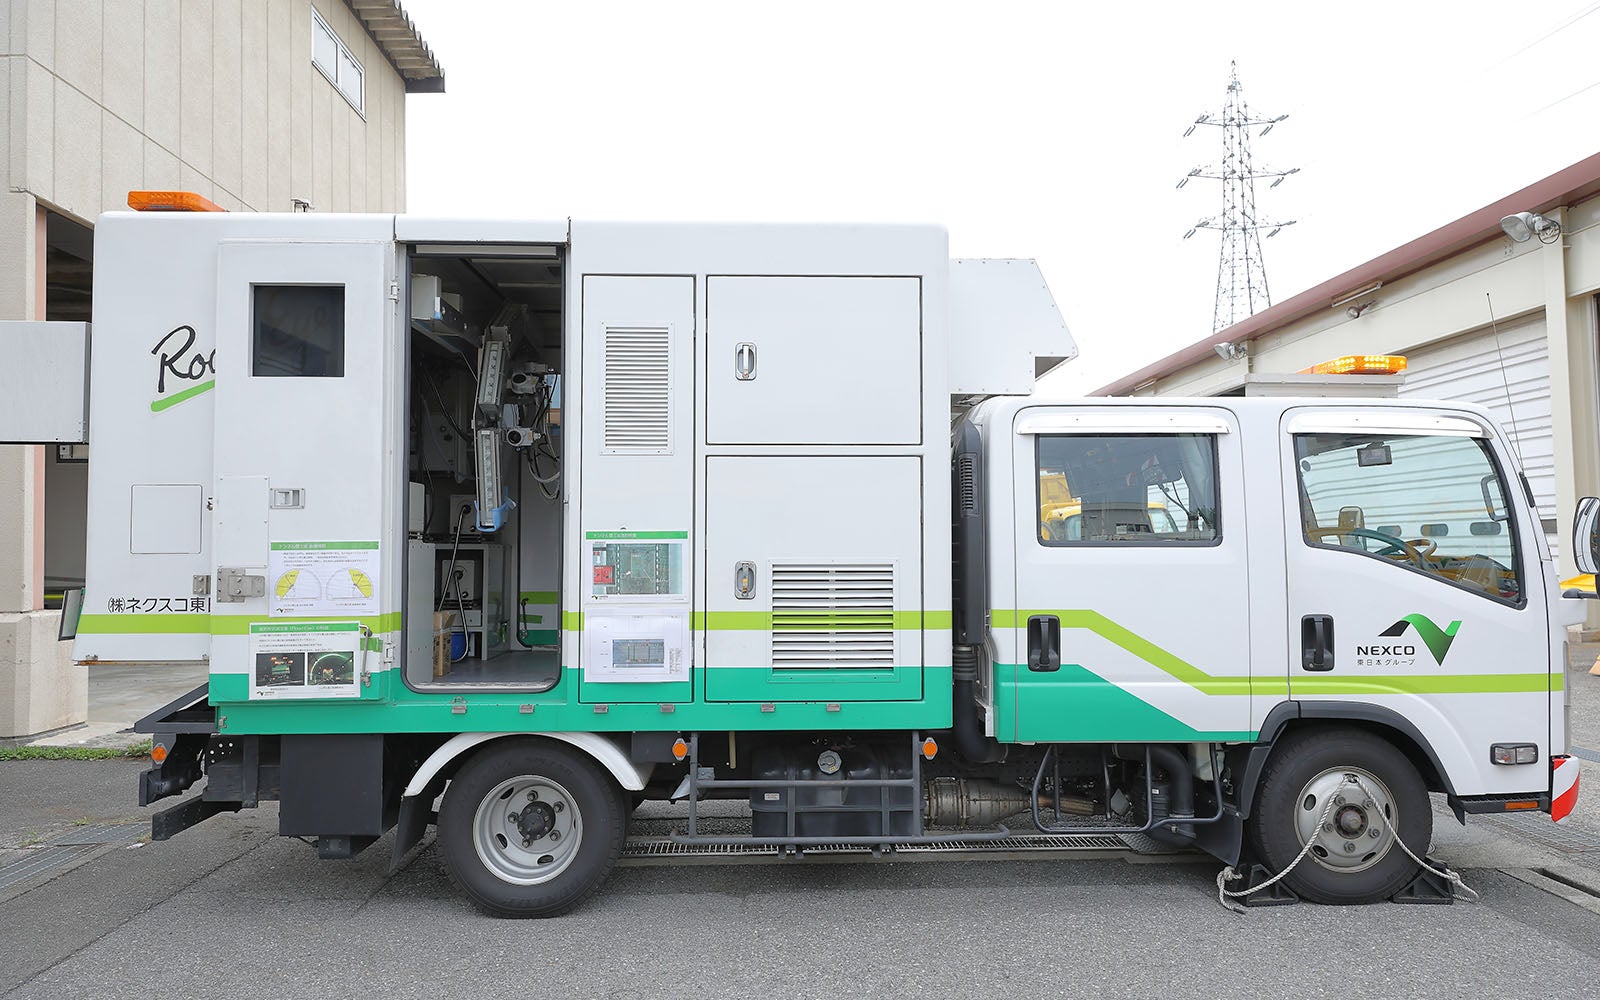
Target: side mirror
<point>71,609</point>
<point>1586,535</point>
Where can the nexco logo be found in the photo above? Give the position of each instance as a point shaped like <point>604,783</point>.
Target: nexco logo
<point>1386,651</point>
<point>1436,639</point>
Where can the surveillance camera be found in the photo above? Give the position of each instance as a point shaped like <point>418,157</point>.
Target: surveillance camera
<point>1229,351</point>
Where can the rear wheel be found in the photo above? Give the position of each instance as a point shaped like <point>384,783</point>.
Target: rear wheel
<point>1349,795</point>
<point>530,829</point>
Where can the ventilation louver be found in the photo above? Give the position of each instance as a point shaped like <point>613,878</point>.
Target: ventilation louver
<point>638,390</point>
<point>838,615</point>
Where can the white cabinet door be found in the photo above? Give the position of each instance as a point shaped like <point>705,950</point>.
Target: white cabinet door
<point>831,552</point>
<point>813,360</point>
<point>307,469</point>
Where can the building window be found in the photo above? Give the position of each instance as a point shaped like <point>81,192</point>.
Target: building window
<point>331,56</point>
<point>1127,489</point>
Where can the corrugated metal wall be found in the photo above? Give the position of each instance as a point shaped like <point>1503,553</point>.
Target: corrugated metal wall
<point>1512,379</point>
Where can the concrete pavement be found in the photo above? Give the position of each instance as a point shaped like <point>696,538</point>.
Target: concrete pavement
<point>230,909</point>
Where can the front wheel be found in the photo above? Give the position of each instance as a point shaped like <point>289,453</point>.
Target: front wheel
<point>1348,795</point>
<point>530,829</point>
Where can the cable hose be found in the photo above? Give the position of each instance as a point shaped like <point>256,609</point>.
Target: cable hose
<point>1459,889</point>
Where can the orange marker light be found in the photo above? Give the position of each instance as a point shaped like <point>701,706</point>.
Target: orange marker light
<point>929,748</point>
<point>1530,804</point>
<point>680,749</point>
<point>171,201</point>
<point>158,753</point>
<point>1359,364</point>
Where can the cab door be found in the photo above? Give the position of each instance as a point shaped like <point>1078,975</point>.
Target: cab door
<point>1132,616</point>
<point>305,511</point>
<point>1414,585</point>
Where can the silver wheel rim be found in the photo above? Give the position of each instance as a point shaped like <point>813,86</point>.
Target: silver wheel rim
<point>1353,831</point>
<point>527,830</point>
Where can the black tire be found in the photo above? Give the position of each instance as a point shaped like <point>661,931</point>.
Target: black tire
<point>595,801</point>
<point>1303,758</point>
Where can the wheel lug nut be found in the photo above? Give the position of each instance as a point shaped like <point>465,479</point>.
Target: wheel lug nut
<point>1338,800</point>
<point>555,834</point>
<point>1366,803</point>
<point>1327,827</point>
<point>1349,848</point>
<point>526,842</point>
<point>533,796</point>
<point>1374,833</point>
<point>560,807</point>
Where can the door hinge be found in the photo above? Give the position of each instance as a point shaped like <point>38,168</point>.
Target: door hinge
<point>234,585</point>
<point>394,291</point>
<point>366,643</point>
<point>202,584</point>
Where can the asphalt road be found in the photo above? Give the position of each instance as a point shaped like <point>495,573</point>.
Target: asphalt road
<point>229,909</point>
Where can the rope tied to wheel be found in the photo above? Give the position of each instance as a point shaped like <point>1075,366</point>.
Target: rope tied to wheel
<point>1458,889</point>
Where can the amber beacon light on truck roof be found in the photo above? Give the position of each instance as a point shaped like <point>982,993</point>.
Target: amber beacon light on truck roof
<point>1359,364</point>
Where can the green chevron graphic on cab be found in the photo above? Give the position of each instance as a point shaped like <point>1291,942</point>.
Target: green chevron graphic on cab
<point>1436,639</point>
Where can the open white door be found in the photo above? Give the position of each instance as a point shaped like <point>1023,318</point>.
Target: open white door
<point>306,522</point>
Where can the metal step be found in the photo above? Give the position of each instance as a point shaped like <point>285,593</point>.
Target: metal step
<point>650,851</point>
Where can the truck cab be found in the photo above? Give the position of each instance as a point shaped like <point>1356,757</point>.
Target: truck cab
<point>1370,570</point>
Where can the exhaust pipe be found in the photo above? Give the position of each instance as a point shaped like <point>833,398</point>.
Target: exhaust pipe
<point>963,802</point>
<point>970,741</point>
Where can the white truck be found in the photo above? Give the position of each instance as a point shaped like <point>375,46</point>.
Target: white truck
<point>508,526</point>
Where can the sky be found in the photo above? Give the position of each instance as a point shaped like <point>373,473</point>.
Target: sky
<point>1044,130</point>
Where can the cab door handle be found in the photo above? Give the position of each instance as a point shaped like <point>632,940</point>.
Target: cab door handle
<point>1044,643</point>
<point>1316,642</point>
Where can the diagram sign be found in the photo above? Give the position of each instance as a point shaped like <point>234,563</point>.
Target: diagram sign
<point>305,659</point>
<point>324,578</point>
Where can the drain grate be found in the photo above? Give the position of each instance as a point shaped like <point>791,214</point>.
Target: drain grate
<point>109,833</point>
<point>66,849</point>
<point>1585,753</point>
<point>42,860</point>
<point>1563,838</point>
<point>645,848</point>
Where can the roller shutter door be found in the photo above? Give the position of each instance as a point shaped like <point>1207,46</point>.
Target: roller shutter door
<point>1468,369</point>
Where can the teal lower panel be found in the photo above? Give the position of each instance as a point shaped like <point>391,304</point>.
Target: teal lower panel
<point>814,684</point>
<point>590,692</point>
<point>561,710</point>
<point>1075,705</point>
<point>540,637</point>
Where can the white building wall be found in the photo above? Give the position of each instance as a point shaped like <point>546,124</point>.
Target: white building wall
<point>102,97</point>
<point>214,96</point>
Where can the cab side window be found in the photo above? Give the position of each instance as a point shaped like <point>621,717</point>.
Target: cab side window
<point>1432,504</point>
<point>1128,489</point>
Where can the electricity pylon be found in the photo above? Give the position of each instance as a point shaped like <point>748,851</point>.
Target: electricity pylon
<point>1241,273</point>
